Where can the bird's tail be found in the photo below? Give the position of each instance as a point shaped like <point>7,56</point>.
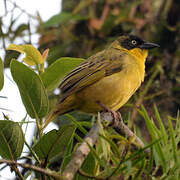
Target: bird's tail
<point>62,108</point>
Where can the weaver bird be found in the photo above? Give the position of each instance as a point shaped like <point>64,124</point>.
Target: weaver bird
<point>110,77</point>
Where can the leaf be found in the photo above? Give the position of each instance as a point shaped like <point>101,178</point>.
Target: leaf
<point>64,17</point>
<point>67,155</point>
<point>33,56</point>
<point>12,140</point>
<point>54,142</point>
<point>103,146</point>
<point>1,74</point>
<point>88,166</point>
<point>31,88</point>
<point>173,141</point>
<point>56,71</point>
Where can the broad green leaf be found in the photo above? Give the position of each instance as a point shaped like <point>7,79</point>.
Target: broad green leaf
<point>31,88</point>
<point>33,56</point>
<point>1,74</point>
<point>56,71</point>
<point>89,167</point>
<point>64,17</point>
<point>54,142</point>
<point>11,140</point>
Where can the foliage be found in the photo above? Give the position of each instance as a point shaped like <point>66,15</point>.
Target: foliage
<point>55,73</point>
<point>12,140</point>
<point>30,86</point>
<point>103,21</point>
<point>81,29</point>
<point>112,157</point>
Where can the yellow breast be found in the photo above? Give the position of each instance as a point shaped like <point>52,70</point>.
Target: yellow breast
<point>115,90</point>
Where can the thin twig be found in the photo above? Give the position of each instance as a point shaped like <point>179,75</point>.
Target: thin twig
<point>16,170</point>
<point>81,154</point>
<point>35,168</point>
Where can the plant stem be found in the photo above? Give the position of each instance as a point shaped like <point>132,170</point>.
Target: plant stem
<point>41,68</point>
<point>32,152</point>
<point>18,173</point>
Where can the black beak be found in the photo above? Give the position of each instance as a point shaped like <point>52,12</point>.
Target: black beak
<point>148,45</point>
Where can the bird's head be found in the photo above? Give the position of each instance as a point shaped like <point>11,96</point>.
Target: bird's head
<point>134,45</point>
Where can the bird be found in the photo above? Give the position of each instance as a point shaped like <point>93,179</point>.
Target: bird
<point>109,77</point>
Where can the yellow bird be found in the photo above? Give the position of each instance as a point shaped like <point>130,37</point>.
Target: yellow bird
<point>110,77</point>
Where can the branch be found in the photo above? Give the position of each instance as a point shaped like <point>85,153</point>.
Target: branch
<point>35,168</point>
<point>81,154</point>
<point>107,116</point>
<point>82,151</point>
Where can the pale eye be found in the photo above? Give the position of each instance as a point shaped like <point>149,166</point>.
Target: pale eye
<point>133,42</point>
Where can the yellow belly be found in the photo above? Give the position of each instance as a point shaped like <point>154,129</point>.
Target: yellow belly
<point>113,91</point>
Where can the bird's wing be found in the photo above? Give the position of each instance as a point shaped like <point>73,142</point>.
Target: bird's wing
<point>93,69</point>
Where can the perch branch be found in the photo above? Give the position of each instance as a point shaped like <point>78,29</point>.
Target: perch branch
<point>107,116</point>
<point>82,151</point>
<point>81,154</point>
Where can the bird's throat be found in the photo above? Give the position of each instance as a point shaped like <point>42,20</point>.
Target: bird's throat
<point>140,54</point>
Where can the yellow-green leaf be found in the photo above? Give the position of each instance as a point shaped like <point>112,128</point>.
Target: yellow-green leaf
<point>33,56</point>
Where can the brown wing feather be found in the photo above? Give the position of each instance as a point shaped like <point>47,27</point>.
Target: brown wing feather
<point>90,66</point>
<point>93,69</point>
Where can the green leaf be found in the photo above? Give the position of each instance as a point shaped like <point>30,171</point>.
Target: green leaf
<point>56,71</point>
<point>33,56</point>
<point>54,142</point>
<point>1,74</point>
<point>161,125</point>
<point>11,140</point>
<point>64,17</point>
<point>155,134</point>
<point>31,88</point>
<point>173,141</point>
<point>67,155</point>
<point>103,148</point>
<point>88,167</point>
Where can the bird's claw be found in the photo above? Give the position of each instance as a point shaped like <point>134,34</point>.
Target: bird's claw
<point>116,115</point>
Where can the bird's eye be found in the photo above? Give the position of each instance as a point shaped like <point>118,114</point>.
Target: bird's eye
<point>133,42</point>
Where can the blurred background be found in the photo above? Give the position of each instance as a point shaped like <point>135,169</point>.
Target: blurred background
<point>76,28</point>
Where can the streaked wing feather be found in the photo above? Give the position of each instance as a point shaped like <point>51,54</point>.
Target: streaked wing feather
<point>90,66</point>
<point>90,71</point>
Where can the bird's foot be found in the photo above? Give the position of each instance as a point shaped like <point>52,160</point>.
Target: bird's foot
<point>115,114</point>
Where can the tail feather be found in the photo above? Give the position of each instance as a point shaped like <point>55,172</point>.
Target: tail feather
<point>64,107</point>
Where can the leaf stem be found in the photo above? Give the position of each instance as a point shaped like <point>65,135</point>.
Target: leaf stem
<point>41,68</point>
<point>32,152</point>
<point>16,170</point>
